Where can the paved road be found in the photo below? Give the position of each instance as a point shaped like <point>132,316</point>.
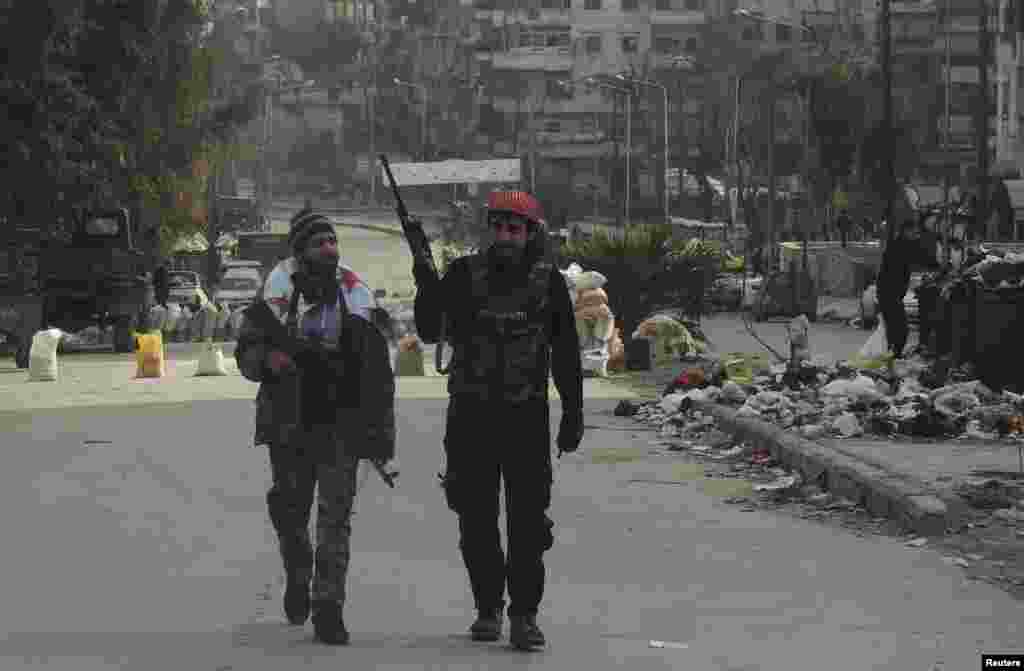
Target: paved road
<point>727,333</point>
<point>136,538</point>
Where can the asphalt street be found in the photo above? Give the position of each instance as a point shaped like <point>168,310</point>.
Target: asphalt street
<point>137,538</point>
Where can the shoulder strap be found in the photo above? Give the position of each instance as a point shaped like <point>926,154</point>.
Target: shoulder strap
<point>540,283</point>
<point>292,320</point>
<point>478,270</point>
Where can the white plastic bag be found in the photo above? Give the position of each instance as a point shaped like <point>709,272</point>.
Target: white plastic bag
<point>157,317</point>
<point>590,279</point>
<point>42,356</point>
<point>223,315</point>
<point>173,318</point>
<point>211,360</point>
<point>235,320</point>
<point>878,344</point>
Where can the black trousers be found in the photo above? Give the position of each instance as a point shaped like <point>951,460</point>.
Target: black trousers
<point>896,330</point>
<point>486,443</point>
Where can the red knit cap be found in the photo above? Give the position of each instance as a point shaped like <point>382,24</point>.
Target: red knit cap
<point>516,202</point>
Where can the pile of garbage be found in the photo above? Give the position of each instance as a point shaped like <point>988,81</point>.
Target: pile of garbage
<point>841,400</point>
<point>991,269</point>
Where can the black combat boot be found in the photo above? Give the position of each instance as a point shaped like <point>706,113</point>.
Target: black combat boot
<point>296,599</point>
<point>328,625</point>
<point>524,632</point>
<point>487,626</point>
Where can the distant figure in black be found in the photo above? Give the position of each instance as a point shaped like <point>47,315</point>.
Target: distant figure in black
<point>903,251</point>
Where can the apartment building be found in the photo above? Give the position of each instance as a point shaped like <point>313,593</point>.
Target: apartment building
<point>1009,108</point>
<point>959,35</point>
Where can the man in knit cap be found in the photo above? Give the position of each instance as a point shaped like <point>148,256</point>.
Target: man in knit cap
<point>319,410</point>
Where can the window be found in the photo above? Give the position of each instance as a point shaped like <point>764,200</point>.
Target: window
<point>592,4</point>
<point>695,5</point>
<point>691,45</point>
<point>592,44</point>
<point>630,5</point>
<point>558,38</point>
<point>630,44</point>
<point>663,5</point>
<point>664,45</point>
<point>783,33</point>
<point>102,226</point>
<point>556,91</point>
<point>552,126</point>
<point>752,33</point>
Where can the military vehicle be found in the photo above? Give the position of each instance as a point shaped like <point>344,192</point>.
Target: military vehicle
<point>98,276</point>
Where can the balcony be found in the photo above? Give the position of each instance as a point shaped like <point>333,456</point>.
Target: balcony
<point>678,18</point>
<point>546,138</point>
<point>677,62</point>
<point>548,59</point>
<point>542,17</point>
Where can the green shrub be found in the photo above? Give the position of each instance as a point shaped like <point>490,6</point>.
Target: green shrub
<point>647,241</point>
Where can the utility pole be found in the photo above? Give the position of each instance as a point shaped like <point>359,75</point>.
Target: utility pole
<point>947,219</point>
<point>981,126</point>
<point>771,165</point>
<point>886,58</point>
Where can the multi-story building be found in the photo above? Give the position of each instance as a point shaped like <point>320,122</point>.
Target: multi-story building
<point>1009,116</point>
<point>958,42</point>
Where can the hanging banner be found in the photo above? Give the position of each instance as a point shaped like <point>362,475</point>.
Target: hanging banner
<point>456,172</point>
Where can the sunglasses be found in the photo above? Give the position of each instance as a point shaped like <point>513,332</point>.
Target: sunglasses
<point>510,223</point>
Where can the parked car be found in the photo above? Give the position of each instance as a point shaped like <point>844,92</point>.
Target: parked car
<point>187,288</point>
<point>239,286</point>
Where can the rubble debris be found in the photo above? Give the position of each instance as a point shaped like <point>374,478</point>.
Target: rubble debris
<point>626,409</point>
<point>847,425</point>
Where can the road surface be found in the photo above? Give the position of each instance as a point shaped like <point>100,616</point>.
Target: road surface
<point>137,538</point>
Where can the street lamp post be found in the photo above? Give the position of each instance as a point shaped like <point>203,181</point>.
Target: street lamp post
<point>590,81</point>
<point>747,14</point>
<point>664,92</point>
<point>426,104</point>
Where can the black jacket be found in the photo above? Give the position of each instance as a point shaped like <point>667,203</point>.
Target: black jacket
<point>899,258</point>
<point>360,400</point>
<point>453,293</point>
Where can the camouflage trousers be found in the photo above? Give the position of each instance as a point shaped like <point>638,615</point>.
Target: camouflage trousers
<point>311,464</point>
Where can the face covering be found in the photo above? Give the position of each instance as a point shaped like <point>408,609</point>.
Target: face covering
<point>318,280</point>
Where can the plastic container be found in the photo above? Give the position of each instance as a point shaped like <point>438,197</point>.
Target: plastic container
<point>998,330</point>
<point>640,353</point>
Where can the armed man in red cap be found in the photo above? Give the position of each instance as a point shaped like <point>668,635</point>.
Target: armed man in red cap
<point>509,319</point>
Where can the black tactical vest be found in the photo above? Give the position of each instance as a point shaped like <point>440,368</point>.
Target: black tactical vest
<point>502,354</point>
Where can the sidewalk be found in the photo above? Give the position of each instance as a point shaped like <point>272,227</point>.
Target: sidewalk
<point>105,379</point>
<point>917,483</point>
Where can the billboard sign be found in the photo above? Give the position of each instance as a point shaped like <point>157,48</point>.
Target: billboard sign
<point>456,172</point>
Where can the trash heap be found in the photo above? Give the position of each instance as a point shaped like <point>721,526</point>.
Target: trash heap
<point>989,269</point>
<point>839,400</point>
<point>601,344</point>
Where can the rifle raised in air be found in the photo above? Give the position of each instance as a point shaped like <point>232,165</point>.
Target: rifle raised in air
<point>419,245</point>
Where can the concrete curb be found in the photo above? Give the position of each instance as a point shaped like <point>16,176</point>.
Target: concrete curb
<point>912,503</point>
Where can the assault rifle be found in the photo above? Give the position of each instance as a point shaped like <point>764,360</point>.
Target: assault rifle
<point>419,245</point>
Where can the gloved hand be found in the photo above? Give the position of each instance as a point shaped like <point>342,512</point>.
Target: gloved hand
<point>570,432</point>
<point>279,362</point>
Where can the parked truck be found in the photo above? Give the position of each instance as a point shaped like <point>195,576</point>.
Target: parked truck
<point>267,248</point>
<point>94,275</point>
